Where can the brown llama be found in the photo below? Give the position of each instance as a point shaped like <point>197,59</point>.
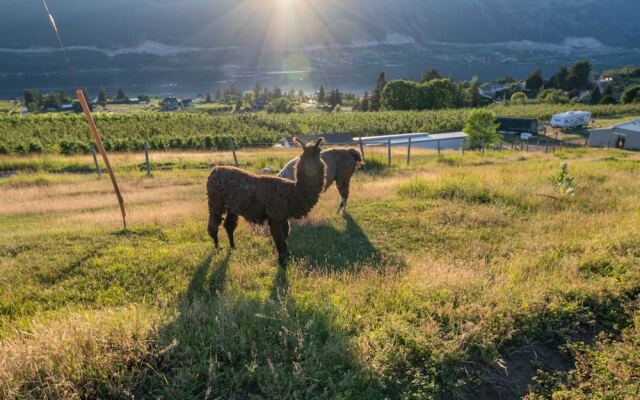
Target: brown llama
<point>265,198</point>
<point>341,165</point>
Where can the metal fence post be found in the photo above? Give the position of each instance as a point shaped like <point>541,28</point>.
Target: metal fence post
<point>146,157</point>
<point>95,161</point>
<point>233,150</point>
<point>409,151</point>
<point>389,151</point>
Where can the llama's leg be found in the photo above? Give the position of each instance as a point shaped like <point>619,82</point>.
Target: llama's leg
<point>287,229</point>
<point>214,222</point>
<point>343,189</point>
<point>277,229</point>
<point>215,217</point>
<point>230,224</point>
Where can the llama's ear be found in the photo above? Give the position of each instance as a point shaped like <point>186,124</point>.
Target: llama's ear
<point>319,142</point>
<point>300,142</point>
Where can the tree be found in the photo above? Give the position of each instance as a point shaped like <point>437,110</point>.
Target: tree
<point>247,99</point>
<point>121,96</point>
<point>51,100</point>
<point>553,96</point>
<point>280,105</point>
<point>535,81</point>
<point>335,98</point>
<point>257,89</point>
<point>595,95</point>
<point>482,128</point>
<point>630,94</point>
<point>375,103</point>
<point>429,75</point>
<point>400,95</point>
<point>301,94</point>
<point>573,83</point>
<point>364,105</point>
<point>608,97</point>
<point>32,100</point>
<point>238,106</point>
<point>208,98</point>
<point>411,95</point>
<point>321,95</point>
<point>473,93</point>
<point>559,80</point>
<point>582,71</point>
<point>519,97</point>
<point>103,97</point>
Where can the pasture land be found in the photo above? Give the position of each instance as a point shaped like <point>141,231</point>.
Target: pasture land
<point>68,133</point>
<point>456,277</point>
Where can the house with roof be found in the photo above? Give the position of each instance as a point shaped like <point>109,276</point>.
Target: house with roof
<point>625,135</point>
<point>171,104</point>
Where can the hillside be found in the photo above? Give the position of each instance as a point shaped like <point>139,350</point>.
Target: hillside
<point>465,277</point>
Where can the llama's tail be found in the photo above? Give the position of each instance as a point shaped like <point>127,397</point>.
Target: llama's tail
<point>357,156</point>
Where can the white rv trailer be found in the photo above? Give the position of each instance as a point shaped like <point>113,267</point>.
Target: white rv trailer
<point>571,119</point>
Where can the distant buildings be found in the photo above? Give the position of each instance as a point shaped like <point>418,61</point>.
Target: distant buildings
<point>175,104</point>
<point>621,136</point>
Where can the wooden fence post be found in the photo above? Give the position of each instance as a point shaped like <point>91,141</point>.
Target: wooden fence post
<point>389,151</point>
<point>409,151</point>
<point>146,157</point>
<point>233,150</point>
<point>95,161</point>
<point>546,145</point>
<point>438,143</point>
<point>361,147</point>
<point>464,142</point>
<point>103,152</point>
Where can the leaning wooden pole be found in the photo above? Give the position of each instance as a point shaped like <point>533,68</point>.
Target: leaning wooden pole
<point>98,140</point>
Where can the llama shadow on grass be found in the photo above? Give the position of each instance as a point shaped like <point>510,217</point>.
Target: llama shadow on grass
<point>226,343</point>
<point>325,247</point>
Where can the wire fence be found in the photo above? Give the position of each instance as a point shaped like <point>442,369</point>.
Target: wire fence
<point>378,153</point>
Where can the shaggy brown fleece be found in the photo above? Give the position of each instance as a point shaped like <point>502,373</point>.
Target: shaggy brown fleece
<point>341,165</point>
<point>235,192</point>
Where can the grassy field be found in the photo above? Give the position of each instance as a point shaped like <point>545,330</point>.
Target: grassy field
<point>463,277</point>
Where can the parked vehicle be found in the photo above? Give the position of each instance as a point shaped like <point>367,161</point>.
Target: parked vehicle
<point>516,126</point>
<point>571,119</point>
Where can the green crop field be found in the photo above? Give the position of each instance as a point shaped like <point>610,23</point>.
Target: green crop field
<point>465,277</point>
<point>68,134</point>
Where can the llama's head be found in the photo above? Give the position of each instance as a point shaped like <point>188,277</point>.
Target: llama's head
<point>310,165</point>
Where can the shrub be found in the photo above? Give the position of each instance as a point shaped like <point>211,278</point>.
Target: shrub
<point>482,128</point>
<point>630,94</point>
<point>519,97</point>
<point>553,96</point>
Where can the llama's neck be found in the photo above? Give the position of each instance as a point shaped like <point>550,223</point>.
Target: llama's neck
<point>310,186</point>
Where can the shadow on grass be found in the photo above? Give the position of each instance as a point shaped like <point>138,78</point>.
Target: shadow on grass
<point>226,343</point>
<point>325,247</point>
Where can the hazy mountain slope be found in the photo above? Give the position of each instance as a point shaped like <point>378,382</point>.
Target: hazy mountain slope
<point>256,22</point>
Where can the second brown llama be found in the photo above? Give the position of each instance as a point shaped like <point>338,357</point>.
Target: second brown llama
<point>341,165</point>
